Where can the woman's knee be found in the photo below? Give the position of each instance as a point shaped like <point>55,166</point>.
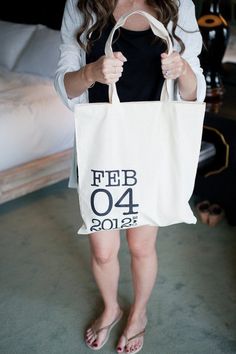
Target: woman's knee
<point>142,244</point>
<point>104,249</point>
<point>141,250</point>
<point>103,257</point>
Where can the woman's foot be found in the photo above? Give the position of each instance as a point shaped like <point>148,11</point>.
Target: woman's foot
<point>97,334</point>
<point>135,325</point>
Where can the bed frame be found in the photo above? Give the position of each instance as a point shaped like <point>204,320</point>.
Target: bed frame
<point>36,174</point>
<point>29,177</point>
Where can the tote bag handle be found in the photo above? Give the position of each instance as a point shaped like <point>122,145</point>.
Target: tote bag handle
<point>159,30</point>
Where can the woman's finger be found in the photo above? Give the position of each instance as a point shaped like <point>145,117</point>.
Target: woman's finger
<point>171,58</point>
<point>120,56</point>
<point>174,67</point>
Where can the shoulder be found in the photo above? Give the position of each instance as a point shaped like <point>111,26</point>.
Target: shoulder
<point>186,8</point>
<point>185,4</point>
<point>72,3</point>
<point>72,14</point>
<point>71,10</point>
<point>187,14</point>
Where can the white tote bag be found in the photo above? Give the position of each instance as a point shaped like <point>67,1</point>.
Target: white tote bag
<point>137,161</point>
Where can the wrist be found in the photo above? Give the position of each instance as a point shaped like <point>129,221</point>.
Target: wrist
<point>87,75</point>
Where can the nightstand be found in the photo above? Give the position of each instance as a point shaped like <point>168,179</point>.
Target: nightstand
<point>216,182</point>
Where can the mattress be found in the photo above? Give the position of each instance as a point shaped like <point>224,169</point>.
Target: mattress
<point>34,123</point>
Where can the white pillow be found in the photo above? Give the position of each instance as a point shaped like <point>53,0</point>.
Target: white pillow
<point>13,39</point>
<point>41,54</point>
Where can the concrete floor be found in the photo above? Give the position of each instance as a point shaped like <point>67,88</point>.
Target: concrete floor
<point>48,295</point>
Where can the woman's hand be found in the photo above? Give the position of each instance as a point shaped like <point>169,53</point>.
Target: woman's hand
<point>173,66</point>
<point>106,70</point>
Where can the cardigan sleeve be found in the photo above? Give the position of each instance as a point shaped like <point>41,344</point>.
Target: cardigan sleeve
<point>70,52</point>
<point>192,39</point>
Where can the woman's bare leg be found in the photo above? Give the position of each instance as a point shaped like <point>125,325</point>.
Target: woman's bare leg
<point>144,266</point>
<point>105,266</point>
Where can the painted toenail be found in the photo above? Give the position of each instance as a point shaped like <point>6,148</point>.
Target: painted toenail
<point>95,344</point>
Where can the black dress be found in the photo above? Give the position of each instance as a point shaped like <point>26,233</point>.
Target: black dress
<point>142,78</point>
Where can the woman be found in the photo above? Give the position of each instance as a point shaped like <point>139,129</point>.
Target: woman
<point>139,62</point>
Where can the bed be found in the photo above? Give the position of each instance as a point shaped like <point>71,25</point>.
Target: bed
<point>36,129</point>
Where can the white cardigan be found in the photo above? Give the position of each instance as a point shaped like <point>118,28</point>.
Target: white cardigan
<point>73,57</point>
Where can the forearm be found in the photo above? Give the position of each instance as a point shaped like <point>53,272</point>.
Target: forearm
<point>187,83</point>
<point>77,82</point>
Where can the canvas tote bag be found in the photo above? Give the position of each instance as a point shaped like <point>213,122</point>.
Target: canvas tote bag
<point>137,161</point>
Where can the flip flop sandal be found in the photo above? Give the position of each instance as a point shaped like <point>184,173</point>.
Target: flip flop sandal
<point>127,340</point>
<point>97,330</point>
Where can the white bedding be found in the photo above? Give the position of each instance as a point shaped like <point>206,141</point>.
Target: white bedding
<point>34,122</point>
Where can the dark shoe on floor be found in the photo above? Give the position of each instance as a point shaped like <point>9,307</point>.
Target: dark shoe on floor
<point>216,214</point>
<point>203,211</point>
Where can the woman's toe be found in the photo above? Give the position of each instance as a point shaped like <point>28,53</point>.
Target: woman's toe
<point>88,332</point>
<point>138,344</point>
<point>91,339</point>
<point>100,339</point>
<point>127,349</point>
<point>89,336</point>
<point>95,344</point>
<point>133,346</point>
<point>121,345</point>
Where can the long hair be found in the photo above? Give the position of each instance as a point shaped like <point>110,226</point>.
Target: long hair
<point>165,10</point>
